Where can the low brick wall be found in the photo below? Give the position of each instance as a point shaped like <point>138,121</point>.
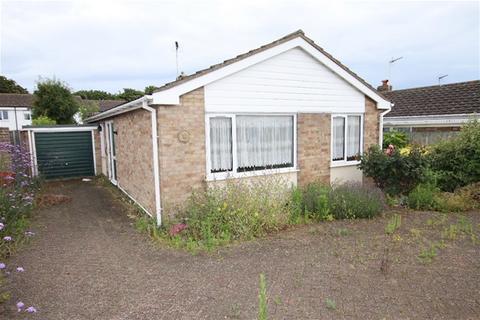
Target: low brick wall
<point>4,135</point>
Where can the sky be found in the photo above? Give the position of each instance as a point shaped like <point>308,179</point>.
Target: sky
<point>110,45</point>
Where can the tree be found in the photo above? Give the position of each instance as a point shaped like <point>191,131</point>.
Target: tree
<point>95,95</point>
<point>88,108</point>
<point>43,121</point>
<point>150,89</point>
<point>54,99</point>
<point>130,94</point>
<point>10,86</point>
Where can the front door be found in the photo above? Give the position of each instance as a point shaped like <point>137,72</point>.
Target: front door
<point>111,152</point>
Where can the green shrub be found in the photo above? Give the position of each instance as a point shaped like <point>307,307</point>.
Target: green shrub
<point>429,197</point>
<point>457,161</point>
<point>424,197</point>
<point>236,211</point>
<point>395,173</point>
<point>395,138</point>
<point>316,202</point>
<point>319,202</point>
<point>352,201</point>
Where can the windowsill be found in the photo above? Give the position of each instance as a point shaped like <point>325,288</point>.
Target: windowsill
<point>343,164</point>
<point>240,175</point>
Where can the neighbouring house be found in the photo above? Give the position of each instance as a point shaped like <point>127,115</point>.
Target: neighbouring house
<point>430,114</point>
<point>287,109</point>
<point>15,110</point>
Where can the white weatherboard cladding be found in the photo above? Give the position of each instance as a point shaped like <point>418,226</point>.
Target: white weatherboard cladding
<point>292,81</point>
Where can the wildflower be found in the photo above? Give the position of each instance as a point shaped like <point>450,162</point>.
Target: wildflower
<point>177,228</point>
<point>20,306</point>
<point>2,265</point>
<point>31,310</point>
<point>7,238</point>
<point>1,226</point>
<point>20,269</point>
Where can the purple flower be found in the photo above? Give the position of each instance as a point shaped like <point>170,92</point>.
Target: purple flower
<point>31,310</point>
<point>20,269</point>
<point>1,226</point>
<point>20,306</point>
<point>2,265</point>
<point>7,238</point>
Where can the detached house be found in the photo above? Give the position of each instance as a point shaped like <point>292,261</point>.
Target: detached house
<point>287,108</point>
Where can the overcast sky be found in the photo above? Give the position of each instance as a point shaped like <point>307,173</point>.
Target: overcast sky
<point>110,45</point>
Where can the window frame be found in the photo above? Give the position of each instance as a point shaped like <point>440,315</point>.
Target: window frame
<point>345,162</point>
<point>211,176</point>
<point>2,118</point>
<point>25,114</point>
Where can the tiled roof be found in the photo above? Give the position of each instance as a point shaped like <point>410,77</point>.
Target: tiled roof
<point>16,100</point>
<point>298,33</point>
<point>108,104</point>
<point>455,98</point>
<point>26,100</point>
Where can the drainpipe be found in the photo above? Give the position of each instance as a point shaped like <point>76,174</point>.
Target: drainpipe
<point>380,136</point>
<point>156,169</point>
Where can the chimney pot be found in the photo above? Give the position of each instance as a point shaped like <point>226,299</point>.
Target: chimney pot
<point>385,86</point>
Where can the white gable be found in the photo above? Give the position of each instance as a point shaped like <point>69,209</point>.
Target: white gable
<point>292,81</point>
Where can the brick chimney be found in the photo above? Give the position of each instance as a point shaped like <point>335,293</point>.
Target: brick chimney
<point>385,86</point>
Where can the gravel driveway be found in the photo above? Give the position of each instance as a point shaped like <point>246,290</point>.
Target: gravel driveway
<point>88,262</point>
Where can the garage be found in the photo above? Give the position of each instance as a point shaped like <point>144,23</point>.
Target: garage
<point>63,151</point>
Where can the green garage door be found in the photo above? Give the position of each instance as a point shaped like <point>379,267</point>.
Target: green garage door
<point>64,154</point>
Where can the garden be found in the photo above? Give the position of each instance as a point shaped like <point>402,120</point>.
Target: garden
<point>444,177</point>
<point>17,194</point>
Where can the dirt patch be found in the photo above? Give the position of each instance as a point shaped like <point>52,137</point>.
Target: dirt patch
<point>88,262</point>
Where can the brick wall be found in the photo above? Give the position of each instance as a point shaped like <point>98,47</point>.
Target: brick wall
<point>133,143</point>
<point>181,149</point>
<point>313,147</point>
<point>4,135</point>
<point>98,154</point>
<point>371,124</point>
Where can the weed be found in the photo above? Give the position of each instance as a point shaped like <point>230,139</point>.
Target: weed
<point>427,254</point>
<point>331,305</point>
<point>278,301</point>
<point>262,299</point>
<point>343,232</point>
<point>416,232</point>
<point>394,223</point>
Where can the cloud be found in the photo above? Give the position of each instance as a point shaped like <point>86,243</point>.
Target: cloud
<point>111,44</point>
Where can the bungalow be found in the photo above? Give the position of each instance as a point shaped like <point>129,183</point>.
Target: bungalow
<point>430,114</point>
<point>287,109</point>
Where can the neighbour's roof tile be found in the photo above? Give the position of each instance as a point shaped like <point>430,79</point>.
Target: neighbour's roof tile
<point>455,98</point>
<point>16,100</point>
<point>26,100</point>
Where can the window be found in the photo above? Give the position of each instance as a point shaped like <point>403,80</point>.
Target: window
<point>26,116</point>
<point>221,144</point>
<point>346,138</point>
<point>247,143</point>
<point>3,115</point>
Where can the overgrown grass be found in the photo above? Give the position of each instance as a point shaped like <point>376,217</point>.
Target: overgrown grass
<point>239,210</point>
<point>429,197</point>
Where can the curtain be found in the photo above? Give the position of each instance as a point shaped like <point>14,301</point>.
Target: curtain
<point>353,137</point>
<point>338,138</point>
<point>221,144</point>
<point>264,142</point>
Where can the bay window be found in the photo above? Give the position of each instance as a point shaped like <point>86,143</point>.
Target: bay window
<point>250,143</point>
<point>346,138</point>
